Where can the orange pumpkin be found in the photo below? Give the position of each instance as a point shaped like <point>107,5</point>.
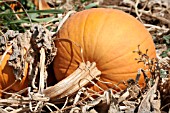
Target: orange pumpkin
<point>7,77</point>
<point>107,37</point>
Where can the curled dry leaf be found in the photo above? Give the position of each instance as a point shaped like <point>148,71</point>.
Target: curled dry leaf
<point>19,46</point>
<point>150,103</point>
<point>20,59</point>
<point>13,63</point>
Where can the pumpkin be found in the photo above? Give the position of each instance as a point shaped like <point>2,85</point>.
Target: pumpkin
<point>7,78</point>
<point>107,37</point>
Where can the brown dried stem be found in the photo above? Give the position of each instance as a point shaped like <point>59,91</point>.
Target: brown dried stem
<point>79,78</point>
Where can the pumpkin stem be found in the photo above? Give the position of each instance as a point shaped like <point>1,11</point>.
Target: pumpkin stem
<point>79,78</point>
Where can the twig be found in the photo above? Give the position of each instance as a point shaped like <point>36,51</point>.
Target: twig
<point>42,69</point>
<point>48,107</point>
<point>13,101</point>
<point>77,97</point>
<point>157,17</point>
<point>53,105</point>
<point>154,26</point>
<point>144,7</point>
<point>20,110</point>
<point>65,103</point>
<point>136,10</point>
<point>163,107</point>
<point>39,104</point>
<point>151,27</point>
<point>103,81</point>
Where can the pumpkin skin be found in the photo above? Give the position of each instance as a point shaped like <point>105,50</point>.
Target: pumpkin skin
<point>107,37</point>
<point>7,77</point>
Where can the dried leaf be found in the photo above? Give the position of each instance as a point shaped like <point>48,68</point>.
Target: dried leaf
<point>149,104</point>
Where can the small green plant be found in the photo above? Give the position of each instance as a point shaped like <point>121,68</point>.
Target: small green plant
<point>167,42</point>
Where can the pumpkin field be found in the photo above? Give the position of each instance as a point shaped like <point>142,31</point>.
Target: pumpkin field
<point>84,56</point>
